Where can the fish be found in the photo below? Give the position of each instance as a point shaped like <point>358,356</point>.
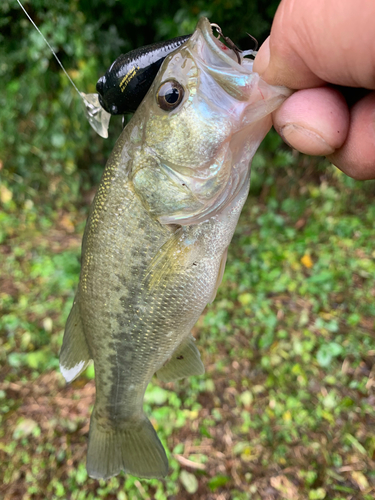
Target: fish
<point>156,240</point>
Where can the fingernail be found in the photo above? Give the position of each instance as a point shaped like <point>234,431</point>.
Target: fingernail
<point>304,140</point>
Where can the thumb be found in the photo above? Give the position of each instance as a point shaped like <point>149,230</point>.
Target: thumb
<point>315,41</point>
<point>272,68</point>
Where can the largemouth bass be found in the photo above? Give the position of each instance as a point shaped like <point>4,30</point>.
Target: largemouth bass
<point>155,244</point>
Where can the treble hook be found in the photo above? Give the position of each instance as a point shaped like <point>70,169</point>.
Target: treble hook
<point>231,44</point>
<point>256,44</point>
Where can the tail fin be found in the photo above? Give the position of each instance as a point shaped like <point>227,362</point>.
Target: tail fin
<point>134,448</point>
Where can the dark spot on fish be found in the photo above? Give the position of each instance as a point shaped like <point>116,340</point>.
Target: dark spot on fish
<point>180,357</point>
<point>142,224</point>
<point>122,280</point>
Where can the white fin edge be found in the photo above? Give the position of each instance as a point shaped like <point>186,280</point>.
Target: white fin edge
<point>70,374</point>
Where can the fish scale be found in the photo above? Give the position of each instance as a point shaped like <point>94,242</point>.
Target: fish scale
<point>156,241</point>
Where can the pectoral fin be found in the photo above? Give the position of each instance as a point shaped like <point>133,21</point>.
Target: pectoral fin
<point>173,257</point>
<point>185,361</point>
<point>74,355</point>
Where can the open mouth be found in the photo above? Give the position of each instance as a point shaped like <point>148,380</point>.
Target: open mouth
<point>215,53</point>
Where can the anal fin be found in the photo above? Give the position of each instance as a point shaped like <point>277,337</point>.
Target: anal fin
<point>74,355</point>
<point>185,361</point>
<point>220,274</point>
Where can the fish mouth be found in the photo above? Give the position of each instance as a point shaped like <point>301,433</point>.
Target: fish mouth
<point>231,71</point>
<point>226,55</point>
<point>236,78</point>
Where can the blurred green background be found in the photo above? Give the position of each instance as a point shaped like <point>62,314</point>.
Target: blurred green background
<point>286,407</point>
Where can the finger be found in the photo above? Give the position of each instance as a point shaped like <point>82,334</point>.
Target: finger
<point>294,74</point>
<point>321,40</point>
<point>314,121</point>
<point>357,155</point>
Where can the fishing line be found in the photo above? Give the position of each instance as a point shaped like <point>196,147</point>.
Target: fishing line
<point>97,117</point>
<point>51,49</point>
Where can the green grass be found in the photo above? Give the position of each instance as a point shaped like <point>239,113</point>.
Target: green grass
<point>286,407</point>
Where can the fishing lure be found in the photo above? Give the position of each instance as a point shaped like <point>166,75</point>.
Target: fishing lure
<point>125,84</point>
<point>127,81</point>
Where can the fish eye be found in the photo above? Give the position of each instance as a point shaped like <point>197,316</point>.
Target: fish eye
<point>169,95</point>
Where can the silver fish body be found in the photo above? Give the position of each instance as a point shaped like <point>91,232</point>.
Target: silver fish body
<point>155,244</point>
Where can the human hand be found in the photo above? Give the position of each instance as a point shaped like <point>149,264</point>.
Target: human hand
<point>314,43</point>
